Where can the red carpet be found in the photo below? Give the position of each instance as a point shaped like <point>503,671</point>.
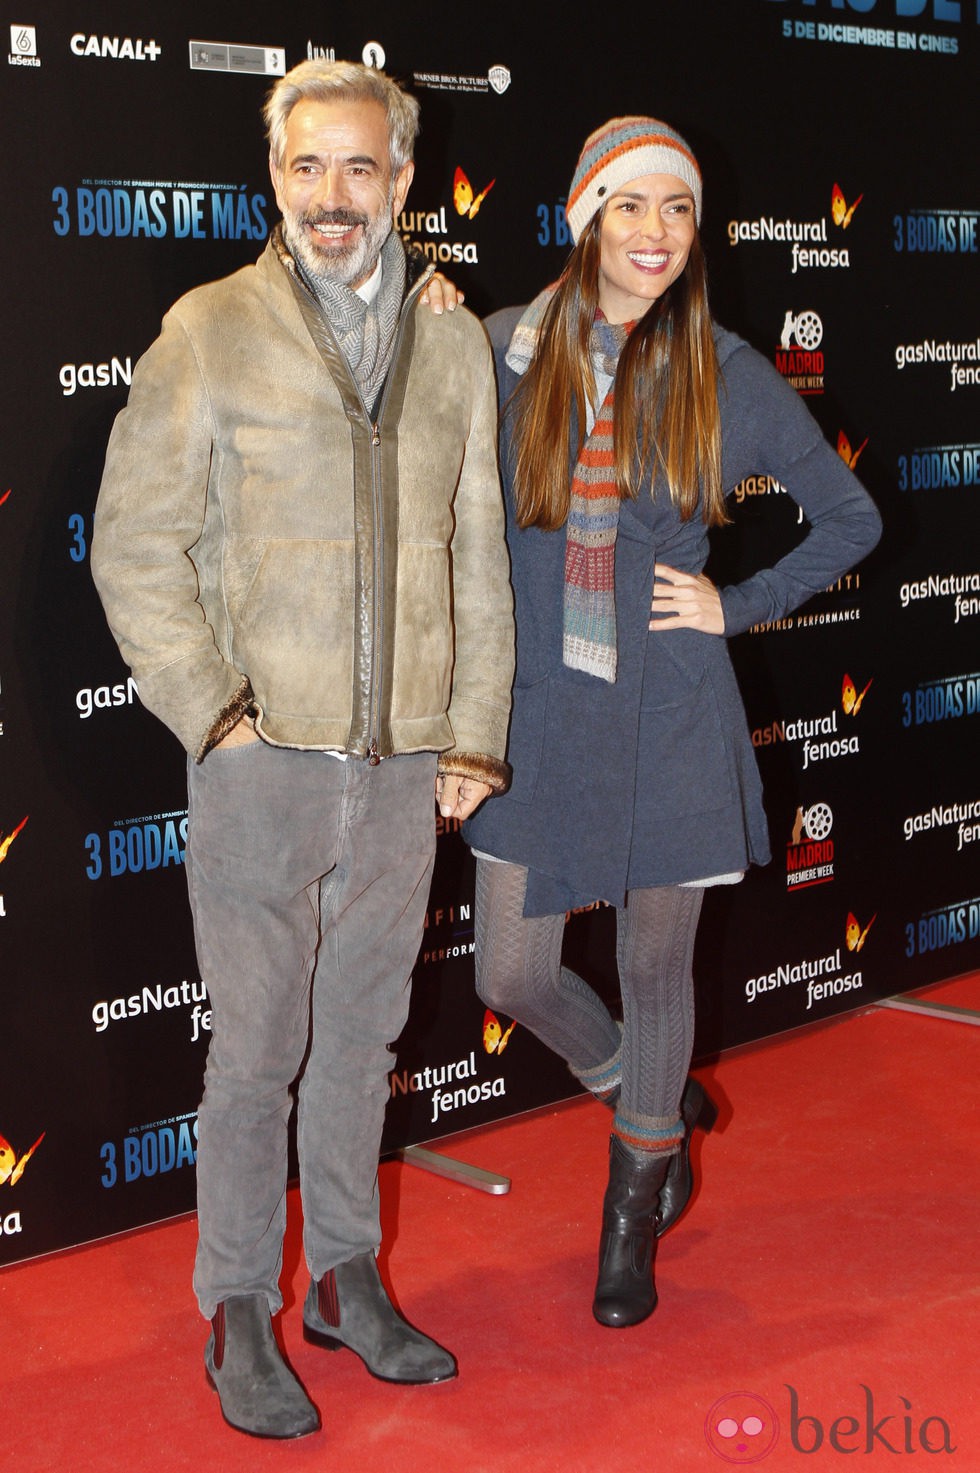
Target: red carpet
<point>827,1271</point>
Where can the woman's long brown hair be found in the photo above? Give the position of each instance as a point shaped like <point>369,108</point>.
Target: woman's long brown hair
<point>666,403</point>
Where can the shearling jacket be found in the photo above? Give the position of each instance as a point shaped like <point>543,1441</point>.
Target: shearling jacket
<point>264,543</point>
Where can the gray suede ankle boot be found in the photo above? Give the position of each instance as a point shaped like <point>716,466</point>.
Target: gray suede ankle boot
<point>258,1392</point>
<point>348,1308</point>
<point>625,1292</point>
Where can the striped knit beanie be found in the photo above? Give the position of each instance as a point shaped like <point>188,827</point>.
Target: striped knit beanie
<point>625,149</point>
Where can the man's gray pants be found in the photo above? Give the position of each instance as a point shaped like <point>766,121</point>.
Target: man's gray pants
<point>308,881</point>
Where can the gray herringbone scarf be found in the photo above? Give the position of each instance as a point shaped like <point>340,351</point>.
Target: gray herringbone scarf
<point>366,330</point>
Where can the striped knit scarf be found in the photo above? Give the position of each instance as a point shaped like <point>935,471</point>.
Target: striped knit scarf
<point>589,608</point>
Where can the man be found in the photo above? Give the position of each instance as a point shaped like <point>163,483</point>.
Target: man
<point>299,546</point>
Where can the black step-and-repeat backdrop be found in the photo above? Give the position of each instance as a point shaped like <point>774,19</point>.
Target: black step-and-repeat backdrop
<point>838,142</point>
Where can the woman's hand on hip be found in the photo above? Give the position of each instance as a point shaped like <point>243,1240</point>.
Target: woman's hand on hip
<point>685,601</point>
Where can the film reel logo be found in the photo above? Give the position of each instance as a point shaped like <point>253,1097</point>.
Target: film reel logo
<point>816,823</point>
<point>802,330</point>
<point>810,851</point>
<point>799,357</point>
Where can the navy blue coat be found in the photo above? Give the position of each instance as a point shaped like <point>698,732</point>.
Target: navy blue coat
<point>652,780</point>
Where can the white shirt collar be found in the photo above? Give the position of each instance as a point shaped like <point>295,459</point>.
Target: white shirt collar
<point>369,289</point>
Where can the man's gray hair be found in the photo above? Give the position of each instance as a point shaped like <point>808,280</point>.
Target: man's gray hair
<point>342,81</point>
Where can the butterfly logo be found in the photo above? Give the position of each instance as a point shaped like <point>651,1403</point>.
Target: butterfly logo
<point>11,1170</point>
<point>463,198</point>
<point>847,455</point>
<point>849,697</point>
<point>6,843</point>
<point>853,935</point>
<point>840,210</point>
<point>494,1037</point>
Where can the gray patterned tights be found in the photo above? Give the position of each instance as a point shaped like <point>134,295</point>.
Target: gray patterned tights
<point>519,973</point>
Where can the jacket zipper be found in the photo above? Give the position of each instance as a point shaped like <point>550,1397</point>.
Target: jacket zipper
<point>377,649</point>
<point>377,653</point>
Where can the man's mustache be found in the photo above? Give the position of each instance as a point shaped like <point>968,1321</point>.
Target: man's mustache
<point>335,217</point>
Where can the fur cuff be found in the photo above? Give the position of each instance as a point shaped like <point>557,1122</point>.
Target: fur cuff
<point>230,714</point>
<point>479,766</point>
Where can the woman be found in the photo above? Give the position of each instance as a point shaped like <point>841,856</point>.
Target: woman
<point>627,417</point>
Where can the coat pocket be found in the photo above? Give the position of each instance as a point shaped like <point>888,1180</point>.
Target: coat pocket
<point>292,634</point>
<point>525,744</point>
<point>684,760</point>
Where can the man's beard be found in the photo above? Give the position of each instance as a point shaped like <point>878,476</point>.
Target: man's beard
<point>340,264</point>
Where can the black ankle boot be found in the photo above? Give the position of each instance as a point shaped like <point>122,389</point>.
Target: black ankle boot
<point>698,1111</point>
<point>348,1308</point>
<point>625,1292</point>
<point>258,1392</point>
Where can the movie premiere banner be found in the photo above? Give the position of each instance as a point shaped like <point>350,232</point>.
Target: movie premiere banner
<point>842,206</point>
